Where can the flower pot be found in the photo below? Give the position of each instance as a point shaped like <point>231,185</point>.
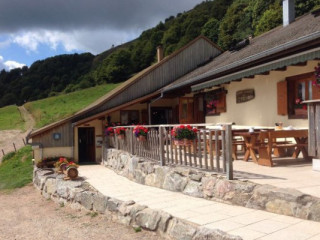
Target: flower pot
<point>141,138</point>
<point>63,167</point>
<point>72,172</point>
<point>300,112</point>
<point>187,142</point>
<point>121,136</point>
<point>178,142</point>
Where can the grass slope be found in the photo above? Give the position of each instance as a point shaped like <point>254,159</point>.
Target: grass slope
<point>10,118</point>
<point>52,109</point>
<point>16,169</point>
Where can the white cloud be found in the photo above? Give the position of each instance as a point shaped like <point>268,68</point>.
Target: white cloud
<point>82,40</point>
<point>8,65</point>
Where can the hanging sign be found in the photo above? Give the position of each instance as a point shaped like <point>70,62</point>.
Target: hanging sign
<point>245,95</point>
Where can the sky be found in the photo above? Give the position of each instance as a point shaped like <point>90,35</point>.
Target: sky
<point>33,30</point>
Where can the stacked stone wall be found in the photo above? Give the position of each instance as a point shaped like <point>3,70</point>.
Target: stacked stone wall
<point>80,195</point>
<point>211,186</point>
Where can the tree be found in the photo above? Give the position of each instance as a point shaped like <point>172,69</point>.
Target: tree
<point>211,29</point>
<point>270,19</point>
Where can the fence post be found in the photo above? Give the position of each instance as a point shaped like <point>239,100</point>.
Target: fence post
<point>161,146</point>
<point>228,149</point>
<point>131,140</point>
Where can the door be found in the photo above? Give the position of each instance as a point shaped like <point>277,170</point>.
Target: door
<point>86,144</point>
<point>199,109</point>
<point>186,110</point>
<point>161,115</point>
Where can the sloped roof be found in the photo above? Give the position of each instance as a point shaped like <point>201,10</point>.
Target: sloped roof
<point>267,45</point>
<point>113,93</point>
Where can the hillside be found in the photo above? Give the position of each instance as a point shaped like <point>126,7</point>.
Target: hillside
<point>46,111</point>
<point>225,22</point>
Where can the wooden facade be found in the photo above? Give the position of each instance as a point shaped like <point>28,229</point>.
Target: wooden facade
<point>143,85</point>
<point>164,73</point>
<point>46,139</point>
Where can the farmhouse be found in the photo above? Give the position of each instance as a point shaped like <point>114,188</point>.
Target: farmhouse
<point>262,81</point>
<point>138,100</point>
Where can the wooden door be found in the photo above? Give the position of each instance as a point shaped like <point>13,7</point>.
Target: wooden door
<point>86,144</point>
<point>186,110</point>
<point>199,115</point>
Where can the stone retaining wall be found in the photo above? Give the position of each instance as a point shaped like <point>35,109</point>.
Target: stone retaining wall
<point>80,195</point>
<point>211,186</point>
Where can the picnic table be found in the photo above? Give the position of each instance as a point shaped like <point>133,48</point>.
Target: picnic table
<point>265,141</point>
<point>268,142</point>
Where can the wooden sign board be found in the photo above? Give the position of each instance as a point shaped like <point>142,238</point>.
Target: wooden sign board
<point>245,95</point>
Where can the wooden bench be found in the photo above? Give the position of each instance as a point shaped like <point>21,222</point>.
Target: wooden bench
<point>268,142</point>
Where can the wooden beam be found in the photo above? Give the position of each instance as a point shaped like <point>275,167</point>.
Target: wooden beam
<point>281,69</point>
<point>264,73</point>
<point>302,64</point>
<point>252,76</point>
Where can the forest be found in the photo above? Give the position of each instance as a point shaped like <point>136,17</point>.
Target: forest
<point>225,22</point>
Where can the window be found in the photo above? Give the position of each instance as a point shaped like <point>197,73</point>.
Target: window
<point>128,117</point>
<point>300,89</point>
<point>215,101</point>
<point>293,91</point>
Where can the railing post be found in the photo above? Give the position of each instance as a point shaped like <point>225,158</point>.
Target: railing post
<point>161,146</point>
<point>131,140</point>
<point>228,149</point>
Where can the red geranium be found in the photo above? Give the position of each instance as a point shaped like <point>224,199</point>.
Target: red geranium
<point>120,131</point>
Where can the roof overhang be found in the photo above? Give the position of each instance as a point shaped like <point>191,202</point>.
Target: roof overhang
<point>288,49</point>
<point>273,65</point>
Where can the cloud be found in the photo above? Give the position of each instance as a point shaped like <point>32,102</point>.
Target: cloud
<point>8,65</point>
<point>82,24</point>
<point>74,40</point>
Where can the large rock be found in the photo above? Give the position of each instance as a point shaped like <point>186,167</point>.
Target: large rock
<point>314,212</point>
<point>86,200</point>
<point>148,219</point>
<point>113,204</point>
<point>180,230</point>
<point>194,189</point>
<point>50,186</point>
<point>99,203</point>
<point>160,175</point>
<point>175,182</point>
<point>208,186</point>
<point>164,220</point>
<point>214,234</point>
<point>139,177</point>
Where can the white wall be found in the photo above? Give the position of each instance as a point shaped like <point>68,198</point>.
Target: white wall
<point>262,110</point>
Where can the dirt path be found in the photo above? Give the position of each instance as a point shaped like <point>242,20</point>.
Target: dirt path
<point>8,137</point>
<point>25,214</point>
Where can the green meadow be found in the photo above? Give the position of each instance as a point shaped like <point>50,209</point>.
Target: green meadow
<point>49,110</point>
<point>10,118</point>
<point>16,169</point>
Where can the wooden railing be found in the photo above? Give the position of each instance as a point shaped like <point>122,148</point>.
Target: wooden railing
<point>211,150</point>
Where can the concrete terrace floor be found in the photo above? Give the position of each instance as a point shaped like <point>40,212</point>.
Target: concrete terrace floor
<point>247,223</point>
<point>289,173</point>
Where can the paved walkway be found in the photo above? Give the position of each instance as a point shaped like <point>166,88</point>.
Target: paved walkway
<point>245,222</point>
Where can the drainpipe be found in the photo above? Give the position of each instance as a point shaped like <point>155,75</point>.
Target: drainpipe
<point>149,106</point>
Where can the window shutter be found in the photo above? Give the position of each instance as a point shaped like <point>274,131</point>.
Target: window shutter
<point>315,89</point>
<point>221,105</point>
<point>282,95</point>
